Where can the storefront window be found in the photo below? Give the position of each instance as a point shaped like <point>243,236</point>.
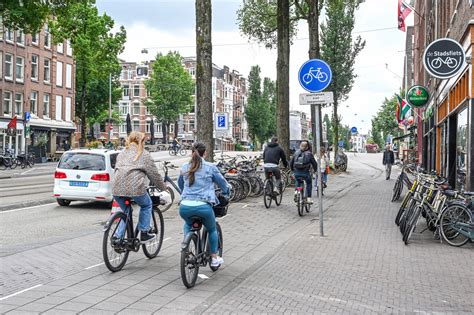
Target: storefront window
<point>461,149</point>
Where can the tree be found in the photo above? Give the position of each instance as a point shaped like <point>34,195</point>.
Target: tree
<point>385,123</point>
<point>329,130</point>
<point>96,49</point>
<point>204,75</point>
<point>30,15</point>
<point>269,104</point>
<point>171,90</point>
<point>338,50</point>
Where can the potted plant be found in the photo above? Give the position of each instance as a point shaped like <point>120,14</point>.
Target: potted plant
<point>41,143</point>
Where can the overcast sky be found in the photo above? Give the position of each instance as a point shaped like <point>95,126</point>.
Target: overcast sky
<point>163,25</point>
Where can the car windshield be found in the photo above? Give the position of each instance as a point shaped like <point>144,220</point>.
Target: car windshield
<point>82,161</point>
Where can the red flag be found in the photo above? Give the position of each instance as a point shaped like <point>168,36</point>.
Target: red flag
<point>403,11</point>
<point>12,123</point>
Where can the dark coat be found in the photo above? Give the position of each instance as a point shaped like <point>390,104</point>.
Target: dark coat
<point>309,157</point>
<point>388,157</point>
<point>273,153</point>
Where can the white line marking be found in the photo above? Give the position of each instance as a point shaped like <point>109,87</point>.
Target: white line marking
<point>203,276</point>
<point>90,267</point>
<point>20,292</point>
<point>167,239</point>
<point>32,207</point>
<point>245,206</point>
<point>25,172</point>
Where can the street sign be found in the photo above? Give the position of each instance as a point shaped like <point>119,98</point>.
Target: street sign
<point>443,58</point>
<point>354,129</point>
<point>341,144</point>
<point>418,96</point>
<point>27,116</point>
<point>317,98</point>
<point>221,121</point>
<point>315,75</point>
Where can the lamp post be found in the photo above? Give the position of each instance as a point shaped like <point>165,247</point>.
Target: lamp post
<point>109,132</point>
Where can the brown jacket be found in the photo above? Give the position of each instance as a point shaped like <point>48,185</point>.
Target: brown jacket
<point>130,175</point>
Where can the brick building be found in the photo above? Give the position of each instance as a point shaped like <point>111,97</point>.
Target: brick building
<point>36,76</point>
<point>445,128</point>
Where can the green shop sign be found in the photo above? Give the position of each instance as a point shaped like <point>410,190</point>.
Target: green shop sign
<point>418,96</point>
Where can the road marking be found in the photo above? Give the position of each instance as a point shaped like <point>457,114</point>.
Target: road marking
<point>203,276</point>
<point>167,239</point>
<point>32,207</point>
<point>245,206</point>
<point>20,292</point>
<point>25,172</point>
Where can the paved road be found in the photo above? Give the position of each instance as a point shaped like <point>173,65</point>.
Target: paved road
<point>275,261</point>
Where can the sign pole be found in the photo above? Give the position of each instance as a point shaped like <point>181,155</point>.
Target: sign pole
<point>318,176</point>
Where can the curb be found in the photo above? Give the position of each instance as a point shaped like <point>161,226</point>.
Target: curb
<point>26,204</point>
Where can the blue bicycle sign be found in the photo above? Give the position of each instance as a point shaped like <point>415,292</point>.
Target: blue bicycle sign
<point>315,75</point>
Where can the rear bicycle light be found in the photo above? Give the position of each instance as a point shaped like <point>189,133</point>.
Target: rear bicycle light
<point>299,188</point>
<point>101,177</point>
<point>59,175</point>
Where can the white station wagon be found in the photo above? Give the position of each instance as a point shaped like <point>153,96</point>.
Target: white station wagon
<point>85,175</point>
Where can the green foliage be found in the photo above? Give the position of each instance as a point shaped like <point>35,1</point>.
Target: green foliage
<point>260,112</point>
<point>171,88</point>
<point>94,144</point>
<point>238,147</point>
<point>30,15</point>
<point>329,129</point>
<point>385,123</point>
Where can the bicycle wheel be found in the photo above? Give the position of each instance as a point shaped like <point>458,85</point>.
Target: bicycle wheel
<point>13,163</point>
<point>3,166</point>
<point>172,152</point>
<point>166,207</point>
<point>397,189</point>
<point>280,194</point>
<point>220,245</point>
<point>189,262</point>
<point>450,220</point>
<point>299,203</point>
<point>411,225</point>
<point>407,215</point>
<point>284,180</point>
<point>404,203</point>
<point>151,249</point>
<point>268,193</point>
<point>114,249</point>
<point>247,185</point>
<point>182,152</point>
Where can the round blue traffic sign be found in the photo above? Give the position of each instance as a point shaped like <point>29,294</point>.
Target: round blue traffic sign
<point>354,129</point>
<point>315,75</point>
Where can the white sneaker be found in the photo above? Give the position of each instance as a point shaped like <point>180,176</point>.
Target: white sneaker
<point>216,262</point>
<point>309,201</point>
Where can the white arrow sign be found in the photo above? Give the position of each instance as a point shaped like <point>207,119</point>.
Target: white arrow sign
<point>316,98</point>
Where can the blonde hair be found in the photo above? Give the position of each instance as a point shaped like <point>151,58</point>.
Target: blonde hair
<point>137,138</point>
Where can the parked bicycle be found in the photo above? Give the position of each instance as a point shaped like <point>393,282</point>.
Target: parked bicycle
<point>120,236</point>
<point>166,166</point>
<point>24,161</point>
<point>8,160</point>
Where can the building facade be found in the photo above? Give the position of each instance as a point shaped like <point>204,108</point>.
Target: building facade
<point>445,128</point>
<point>37,77</point>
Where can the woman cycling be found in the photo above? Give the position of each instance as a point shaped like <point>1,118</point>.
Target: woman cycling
<point>133,165</point>
<point>196,182</point>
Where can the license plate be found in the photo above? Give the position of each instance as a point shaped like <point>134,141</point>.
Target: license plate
<point>79,184</point>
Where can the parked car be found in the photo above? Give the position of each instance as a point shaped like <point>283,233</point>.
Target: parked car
<point>85,175</point>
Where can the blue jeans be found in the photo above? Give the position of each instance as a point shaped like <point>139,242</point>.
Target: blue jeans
<point>307,178</point>
<point>144,218</point>
<point>206,214</point>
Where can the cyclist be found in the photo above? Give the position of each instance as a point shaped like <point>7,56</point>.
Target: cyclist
<point>133,165</point>
<point>196,181</point>
<point>175,144</point>
<point>301,163</point>
<point>272,155</point>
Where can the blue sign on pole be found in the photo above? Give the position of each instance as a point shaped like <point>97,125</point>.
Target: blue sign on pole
<point>221,121</point>
<point>354,129</point>
<point>315,75</point>
<point>27,116</point>
<point>341,144</point>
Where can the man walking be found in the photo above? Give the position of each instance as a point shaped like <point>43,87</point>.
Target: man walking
<point>388,160</point>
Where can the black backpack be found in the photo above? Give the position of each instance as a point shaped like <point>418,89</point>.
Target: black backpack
<point>301,161</point>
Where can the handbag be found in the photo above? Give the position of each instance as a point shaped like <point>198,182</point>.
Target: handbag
<point>327,169</point>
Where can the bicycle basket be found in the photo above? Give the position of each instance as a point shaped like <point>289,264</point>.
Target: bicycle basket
<point>220,210</point>
<point>155,197</point>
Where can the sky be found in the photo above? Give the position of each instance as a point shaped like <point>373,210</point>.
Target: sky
<point>163,25</point>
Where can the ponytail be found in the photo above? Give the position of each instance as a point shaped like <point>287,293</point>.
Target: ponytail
<point>196,160</point>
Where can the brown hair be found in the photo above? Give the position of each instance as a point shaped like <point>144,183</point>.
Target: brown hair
<point>137,138</point>
<point>198,150</point>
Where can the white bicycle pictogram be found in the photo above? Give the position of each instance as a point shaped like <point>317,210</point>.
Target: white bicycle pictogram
<point>315,74</point>
<point>438,62</point>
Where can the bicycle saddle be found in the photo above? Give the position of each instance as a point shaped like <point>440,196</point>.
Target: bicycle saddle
<point>197,222</point>
<point>449,193</point>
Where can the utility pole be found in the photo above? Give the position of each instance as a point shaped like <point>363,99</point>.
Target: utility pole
<point>109,132</point>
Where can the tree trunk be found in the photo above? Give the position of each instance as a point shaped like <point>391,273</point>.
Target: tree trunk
<point>176,129</point>
<point>83,115</point>
<point>204,75</point>
<point>336,129</point>
<point>283,75</point>
<point>164,129</point>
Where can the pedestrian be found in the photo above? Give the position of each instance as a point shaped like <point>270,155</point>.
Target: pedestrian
<point>272,155</point>
<point>301,164</point>
<point>133,165</point>
<point>324,167</point>
<point>196,181</point>
<point>388,160</point>
<point>66,146</point>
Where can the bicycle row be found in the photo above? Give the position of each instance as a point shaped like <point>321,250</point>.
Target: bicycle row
<point>8,160</point>
<point>448,213</point>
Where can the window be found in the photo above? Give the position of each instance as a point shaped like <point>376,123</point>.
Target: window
<point>68,109</point>
<point>34,67</point>
<point>147,126</point>
<point>34,102</point>
<point>147,110</point>
<point>136,125</point>
<point>20,38</point>
<point>60,48</point>
<point>7,103</point>
<point>82,161</point>
<point>59,107</point>
<point>192,72</point>
<point>124,108</point>
<point>59,73</point>
<point>19,69</point>
<point>191,125</point>
<point>68,48</point>
<point>9,35</point>
<point>47,70</point>
<point>46,105</point>
<point>126,90</point>
<point>35,39</point>
<point>69,76</point>
<point>130,74</point>
<point>142,71</point>
<point>136,108</point>
<point>19,103</point>
<point>47,36</point>
<point>136,90</point>
<point>8,67</point>
<point>123,128</point>
<point>462,149</point>
<point>1,29</point>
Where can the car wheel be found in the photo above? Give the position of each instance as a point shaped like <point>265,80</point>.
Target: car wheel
<point>63,202</point>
